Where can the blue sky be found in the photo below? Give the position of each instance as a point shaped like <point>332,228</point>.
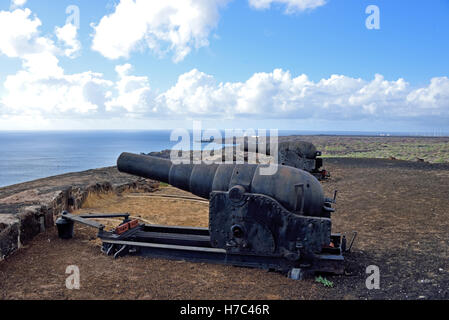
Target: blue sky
<point>229,79</point>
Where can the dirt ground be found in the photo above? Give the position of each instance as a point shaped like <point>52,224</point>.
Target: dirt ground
<point>399,209</point>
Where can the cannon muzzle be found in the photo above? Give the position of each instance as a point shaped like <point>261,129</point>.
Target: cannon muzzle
<point>295,189</point>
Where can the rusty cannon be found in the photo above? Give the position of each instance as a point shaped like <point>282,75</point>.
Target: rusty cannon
<point>298,154</point>
<point>279,221</point>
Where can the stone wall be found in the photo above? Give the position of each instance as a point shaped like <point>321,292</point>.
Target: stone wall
<point>29,208</point>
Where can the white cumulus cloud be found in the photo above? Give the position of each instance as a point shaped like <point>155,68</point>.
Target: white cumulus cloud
<point>169,26</point>
<point>18,3</point>
<point>43,90</point>
<point>18,35</point>
<point>279,95</point>
<point>162,26</point>
<point>41,87</point>
<point>132,93</point>
<point>68,36</point>
<point>57,94</point>
<point>433,97</point>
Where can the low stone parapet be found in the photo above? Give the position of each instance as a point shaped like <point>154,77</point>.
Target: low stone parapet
<point>29,208</point>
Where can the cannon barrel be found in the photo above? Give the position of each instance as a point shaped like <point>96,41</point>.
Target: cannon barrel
<point>295,189</point>
<point>302,148</point>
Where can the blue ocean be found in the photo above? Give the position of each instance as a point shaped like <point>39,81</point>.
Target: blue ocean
<point>26,156</point>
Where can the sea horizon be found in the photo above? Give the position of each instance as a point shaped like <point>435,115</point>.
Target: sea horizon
<point>284,132</point>
<point>30,155</point>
